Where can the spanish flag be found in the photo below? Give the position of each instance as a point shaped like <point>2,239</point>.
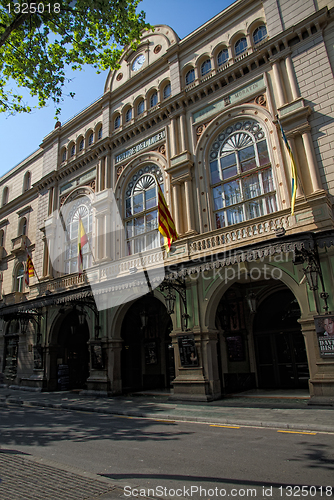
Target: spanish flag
<point>30,270</point>
<point>82,240</point>
<point>293,169</point>
<point>166,223</point>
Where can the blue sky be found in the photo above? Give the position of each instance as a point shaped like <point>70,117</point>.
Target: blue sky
<point>21,134</point>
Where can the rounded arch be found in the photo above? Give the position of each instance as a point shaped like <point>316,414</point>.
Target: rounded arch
<point>219,288</point>
<point>221,54</point>
<point>80,144</point>
<point>189,75</point>
<point>18,284</point>
<point>116,120</point>
<point>152,98</point>
<point>204,64</point>
<point>127,113</point>
<point>23,227</point>
<point>139,105</point>
<point>71,150</point>
<point>63,154</point>
<point>164,89</point>
<point>5,196</point>
<point>241,34</point>
<point>26,181</point>
<point>89,138</point>
<point>139,161</point>
<point>98,132</point>
<point>253,26</point>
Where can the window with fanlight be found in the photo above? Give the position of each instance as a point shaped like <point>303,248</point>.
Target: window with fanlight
<point>241,176</point>
<point>19,279</point>
<point>81,208</point>
<point>141,210</point>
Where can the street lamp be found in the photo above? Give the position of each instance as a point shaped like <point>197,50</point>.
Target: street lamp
<point>170,302</point>
<point>252,302</point>
<point>143,318</point>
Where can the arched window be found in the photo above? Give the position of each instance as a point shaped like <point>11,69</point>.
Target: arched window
<point>81,144</point>
<point>240,46</point>
<point>141,210</point>
<point>259,34</point>
<point>23,227</point>
<point>117,122</point>
<point>90,139</point>
<point>154,99</point>
<point>222,57</point>
<point>81,208</point>
<point>26,181</point>
<point>63,155</point>
<point>190,76</point>
<point>242,183</point>
<point>99,134</point>
<point>128,115</point>
<point>206,67</point>
<point>72,150</point>
<point>19,279</point>
<point>5,194</point>
<point>2,238</point>
<point>141,107</point>
<point>167,91</point>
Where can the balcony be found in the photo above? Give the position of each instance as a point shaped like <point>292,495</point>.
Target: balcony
<point>20,244</point>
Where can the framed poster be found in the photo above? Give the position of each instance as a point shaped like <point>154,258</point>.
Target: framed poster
<point>235,348</point>
<point>187,350</point>
<point>97,356</point>
<point>324,326</point>
<point>151,357</point>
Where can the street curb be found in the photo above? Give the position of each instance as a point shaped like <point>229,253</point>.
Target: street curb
<point>170,416</point>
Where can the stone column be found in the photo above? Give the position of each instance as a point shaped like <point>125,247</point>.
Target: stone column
<point>176,206</point>
<point>312,164</point>
<point>183,137</point>
<point>278,84</point>
<point>108,172</point>
<point>189,206</point>
<point>300,189</point>
<point>292,78</point>
<point>172,142</point>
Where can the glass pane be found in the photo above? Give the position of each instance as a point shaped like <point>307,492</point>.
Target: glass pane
<point>234,215</point>
<point>139,225</point>
<point>152,240</point>
<point>220,220</point>
<point>151,200</point>
<point>214,172</point>
<point>67,268</point>
<point>228,160</point>
<point>74,230</point>
<point>138,203</point>
<point>73,250</point>
<point>130,246</point>
<point>129,229</point>
<point>232,193</point>
<point>218,197</point>
<point>268,184</point>
<point>128,212</point>
<point>251,186</point>
<point>271,204</point>
<point>139,244</point>
<point>254,209</point>
<point>247,158</point>
<point>152,221</point>
<point>263,152</point>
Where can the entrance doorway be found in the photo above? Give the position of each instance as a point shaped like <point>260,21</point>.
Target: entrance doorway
<point>147,354</point>
<point>279,344</point>
<point>72,354</point>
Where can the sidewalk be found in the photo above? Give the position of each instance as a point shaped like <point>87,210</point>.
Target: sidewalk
<point>246,409</point>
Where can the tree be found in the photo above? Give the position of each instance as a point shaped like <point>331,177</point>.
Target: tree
<point>40,40</point>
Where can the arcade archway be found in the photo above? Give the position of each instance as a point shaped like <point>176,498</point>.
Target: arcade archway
<point>147,355</point>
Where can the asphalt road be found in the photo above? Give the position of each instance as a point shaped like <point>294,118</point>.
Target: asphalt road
<point>184,460</point>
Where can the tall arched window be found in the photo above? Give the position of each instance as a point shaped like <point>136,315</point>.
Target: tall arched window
<point>81,144</point>
<point>141,210</point>
<point>128,115</point>
<point>167,91</point>
<point>154,99</point>
<point>206,67</point>
<point>80,208</point>
<point>222,57</point>
<point>23,227</point>
<point>5,194</point>
<point>141,107</point>
<point>2,238</point>
<point>190,76</point>
<point>19,279</point>
<point>26,181</point>
<point>241,177</point>
<point>117,122</point>
<point>99,134</point>
<point>240,46</point>
<point>259,34</point>
<point>90,139</point>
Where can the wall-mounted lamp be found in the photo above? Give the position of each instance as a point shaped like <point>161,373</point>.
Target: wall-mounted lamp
<point>251,301</point>
<point>180,287</point>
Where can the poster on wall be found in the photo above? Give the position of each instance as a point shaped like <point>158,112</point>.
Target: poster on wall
<point>324,326</point>
<point>187,350</point>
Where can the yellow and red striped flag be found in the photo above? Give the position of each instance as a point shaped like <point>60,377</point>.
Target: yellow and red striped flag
<point>30,270</point>
<point>82,240</point>
<point>166,223</point>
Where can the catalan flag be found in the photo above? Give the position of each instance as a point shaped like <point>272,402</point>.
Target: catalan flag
<point>293,169</point>
<point>166,223</point>
<point>82,240</point>
<point>30,270</point>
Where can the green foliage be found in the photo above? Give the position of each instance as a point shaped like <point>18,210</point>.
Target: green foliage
<point>40,40</point>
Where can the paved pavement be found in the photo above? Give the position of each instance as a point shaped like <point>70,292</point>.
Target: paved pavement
<point>277,412</point>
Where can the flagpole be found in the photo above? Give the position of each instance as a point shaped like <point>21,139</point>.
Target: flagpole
<point>28,253</point>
